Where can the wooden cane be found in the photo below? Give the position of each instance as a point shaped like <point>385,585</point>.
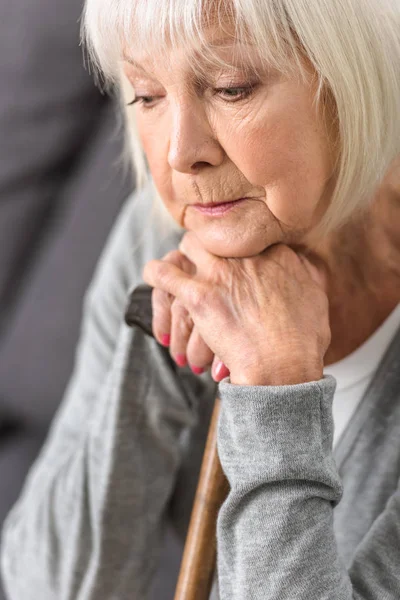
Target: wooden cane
<point>199,556</point>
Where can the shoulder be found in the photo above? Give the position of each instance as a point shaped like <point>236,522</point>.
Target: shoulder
<point>141,232</point>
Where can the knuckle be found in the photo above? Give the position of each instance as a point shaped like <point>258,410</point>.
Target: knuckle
<point>161,303</point>
<point>182,322</point>
<point>175,257</point>
<point>196,297</point>
<point>172,257</point>
<point>185,326</point>
<point>156,272</point>
<point>161,317</point>
<point>163,300</point>
<point>162,270</point>
<point>177,309</point>
<point>156,297</point>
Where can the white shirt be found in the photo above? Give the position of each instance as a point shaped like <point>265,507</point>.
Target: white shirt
<point>355,372</point>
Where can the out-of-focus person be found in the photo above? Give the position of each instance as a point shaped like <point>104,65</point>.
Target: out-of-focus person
<point>61,186</point>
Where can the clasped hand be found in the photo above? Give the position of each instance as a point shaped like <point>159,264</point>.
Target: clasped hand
<point>266,318</point>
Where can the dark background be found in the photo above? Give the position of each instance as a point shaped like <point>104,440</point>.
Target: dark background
<point>62,183</point>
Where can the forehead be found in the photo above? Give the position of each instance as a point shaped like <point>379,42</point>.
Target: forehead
<point>206,32</point>
<point>217,49</point>
<point>202,33</point>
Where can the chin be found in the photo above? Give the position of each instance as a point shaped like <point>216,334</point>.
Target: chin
<point>246,230</point>
<point>234,247</point>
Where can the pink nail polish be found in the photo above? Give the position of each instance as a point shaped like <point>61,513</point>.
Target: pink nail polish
<point>165,339</point>
<point>197,370</point>
<point>221,371</point>
<point>181,360</point>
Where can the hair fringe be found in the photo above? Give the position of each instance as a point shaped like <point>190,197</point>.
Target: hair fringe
<point>352,45</point>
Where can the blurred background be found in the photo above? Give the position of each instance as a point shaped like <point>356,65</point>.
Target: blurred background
<point>62,183</point>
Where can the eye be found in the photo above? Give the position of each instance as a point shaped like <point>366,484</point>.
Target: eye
<point>146,101</point>
<point>234,94</point>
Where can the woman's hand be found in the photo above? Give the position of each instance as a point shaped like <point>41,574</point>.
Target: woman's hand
<point>173,327</point>
<point>266,317</point>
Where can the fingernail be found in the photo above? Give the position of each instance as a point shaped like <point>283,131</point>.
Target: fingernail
<point>165,339</point>
<point>180,360</point>
<point>197,370</point>
<point>221,371</point>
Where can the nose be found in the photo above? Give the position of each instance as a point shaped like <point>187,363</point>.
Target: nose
<point>193,144</point>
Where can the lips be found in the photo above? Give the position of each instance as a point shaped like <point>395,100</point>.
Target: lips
<point>217,208</point>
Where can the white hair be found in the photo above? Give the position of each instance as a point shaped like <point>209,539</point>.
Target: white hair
<point>353,46</point>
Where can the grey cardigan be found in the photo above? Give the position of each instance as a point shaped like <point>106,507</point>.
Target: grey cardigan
<point>300,523</point>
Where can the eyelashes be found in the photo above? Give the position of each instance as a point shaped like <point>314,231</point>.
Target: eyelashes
<point>142,100</point>
<point>229,95</point>
<point>234,94</point>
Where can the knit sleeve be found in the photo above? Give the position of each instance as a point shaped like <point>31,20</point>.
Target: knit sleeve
<point>275,530</point>
<point>89,520</point>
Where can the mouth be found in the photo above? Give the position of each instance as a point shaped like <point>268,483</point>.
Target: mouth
<point>217,208</point>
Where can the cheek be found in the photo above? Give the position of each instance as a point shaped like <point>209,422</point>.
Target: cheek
<point>286,155</point>
<point>155,147</point>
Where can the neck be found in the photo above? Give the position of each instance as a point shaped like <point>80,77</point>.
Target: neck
<point>363,265</point>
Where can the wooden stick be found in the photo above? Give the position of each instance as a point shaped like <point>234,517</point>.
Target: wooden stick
<point>199,557</point>
<point>198,563</point>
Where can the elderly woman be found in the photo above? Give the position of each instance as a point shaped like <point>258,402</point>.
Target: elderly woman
<point>271,130</point>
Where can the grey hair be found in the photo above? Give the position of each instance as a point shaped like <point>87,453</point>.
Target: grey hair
<point>352,45</point>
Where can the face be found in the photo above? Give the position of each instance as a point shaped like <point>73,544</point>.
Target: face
<point>242,160</point>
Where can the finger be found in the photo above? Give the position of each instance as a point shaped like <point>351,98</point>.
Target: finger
<point>161,304</point>
<point>162,301</point>
<point>193,249</point>
<point>219,370</point>
<point>177,258</point>
<point>198,354</point>
<point>181,329</point>
<point>170,279</point>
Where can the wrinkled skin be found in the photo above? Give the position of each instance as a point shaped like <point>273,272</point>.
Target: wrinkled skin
<point>280,340</point>
<point>233,136</point>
